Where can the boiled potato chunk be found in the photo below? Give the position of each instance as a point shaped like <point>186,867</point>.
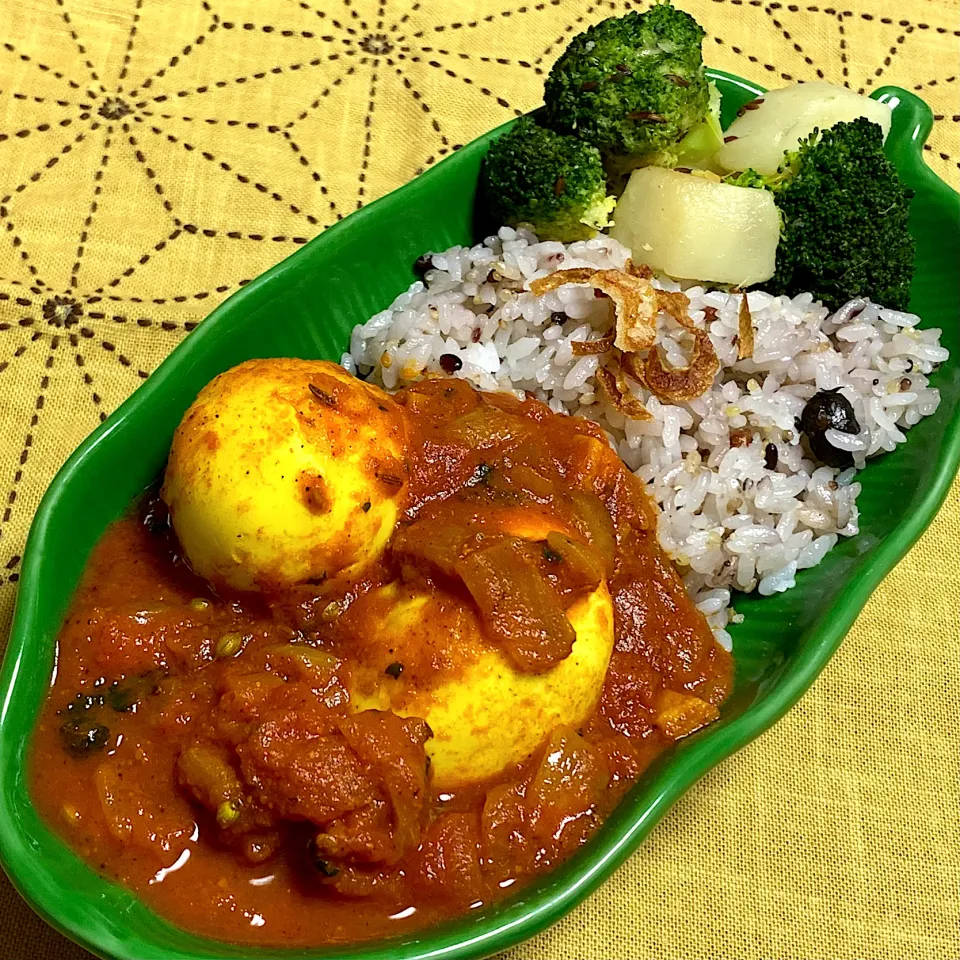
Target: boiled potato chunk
<point>696,228</point>
<point>784,117</point>
<point>286,471</point>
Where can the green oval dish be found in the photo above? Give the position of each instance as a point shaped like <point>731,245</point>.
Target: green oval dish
<point>306,307</point>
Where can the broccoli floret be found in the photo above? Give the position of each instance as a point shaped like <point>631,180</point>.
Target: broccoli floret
<point>632,86</point>
<point>845,218</point>
<point>555,183</point>
<point>700,144</point>
<point>750,178</point>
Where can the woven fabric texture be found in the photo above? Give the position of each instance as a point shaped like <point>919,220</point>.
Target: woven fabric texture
<point>155,155</point>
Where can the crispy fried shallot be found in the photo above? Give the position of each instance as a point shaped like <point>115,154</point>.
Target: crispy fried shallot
<point>632,365</point>
<point>677,305</point>
<point>589,348</point>
<point>682,383</point>
<point>614,387</point>
<point>634,300</point>
<point>636,304</point>
<point>638,270</point>
<point>745,331</point>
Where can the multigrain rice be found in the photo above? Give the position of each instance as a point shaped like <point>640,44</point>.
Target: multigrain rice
<point>742,506</point>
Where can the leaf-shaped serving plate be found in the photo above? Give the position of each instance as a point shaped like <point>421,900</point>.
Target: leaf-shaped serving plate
<point>306,307</point>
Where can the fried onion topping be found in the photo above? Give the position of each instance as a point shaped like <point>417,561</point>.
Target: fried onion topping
<point>636,305</point>
<point>745,331</point>
<point>589,348</point>
<point>634,300</point>
<point>683,383</point>
<point>614,387</point>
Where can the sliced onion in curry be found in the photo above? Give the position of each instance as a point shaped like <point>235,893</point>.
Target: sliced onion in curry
<point>205,772</point>
<point>569,766</point>
<point>433,546</point>
<point>593,521</point>
<point>483,428</point>
<point>519,609</point>
<point>513,478</point>
<point>582,567</point>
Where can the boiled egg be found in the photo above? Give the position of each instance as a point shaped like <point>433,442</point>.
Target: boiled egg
<point>286,471</point>
<point>429,658</point>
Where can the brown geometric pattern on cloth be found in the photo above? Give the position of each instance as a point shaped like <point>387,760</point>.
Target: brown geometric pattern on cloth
<point>157,154</point>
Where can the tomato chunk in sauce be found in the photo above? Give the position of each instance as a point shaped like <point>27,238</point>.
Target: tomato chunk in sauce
<point>205,751</point>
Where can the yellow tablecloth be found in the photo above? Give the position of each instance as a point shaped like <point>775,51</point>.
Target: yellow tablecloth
<point>157,154</point>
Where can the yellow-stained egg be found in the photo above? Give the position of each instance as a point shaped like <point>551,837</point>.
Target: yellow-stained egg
<point>286,471</point>
<point>431,658</point>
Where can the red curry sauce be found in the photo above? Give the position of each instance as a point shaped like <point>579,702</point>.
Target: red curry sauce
<point>201,749</point>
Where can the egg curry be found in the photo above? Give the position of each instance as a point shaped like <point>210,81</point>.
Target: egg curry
<point>365,661</point>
